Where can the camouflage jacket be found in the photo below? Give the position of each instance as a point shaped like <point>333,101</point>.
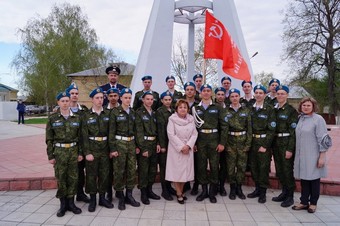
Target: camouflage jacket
<point>146,125</point>
<point>162,116</point>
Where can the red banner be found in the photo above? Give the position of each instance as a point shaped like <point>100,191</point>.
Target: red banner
<point>219,45</point>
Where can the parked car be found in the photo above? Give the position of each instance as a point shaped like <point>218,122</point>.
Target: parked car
<point>33,109</point>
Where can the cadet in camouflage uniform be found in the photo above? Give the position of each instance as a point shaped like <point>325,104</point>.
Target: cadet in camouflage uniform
<point>162,115</point>
<point>190,97</point>
<point>138,101</point>
<point>238,143</point>
<point>226,83</point>
<point>96,150</point>
<point>284,146</point>
<point>123,149</point>
<point>263,125</point>
<point>198,80</point>
<point>63,138</point>
<point>211,141</point>
<point>248,99</point>
<point>176,95</point>
<point>80,110</point>
<point>222,173</point>
<point>146,129</point>
<point>271,96</point>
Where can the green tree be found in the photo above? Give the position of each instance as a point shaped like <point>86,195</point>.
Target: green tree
<point>52,47</point>
<point>263,78</point>
<point>312,43</point>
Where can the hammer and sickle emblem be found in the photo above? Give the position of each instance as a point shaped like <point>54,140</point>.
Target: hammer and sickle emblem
<point>216,31</point>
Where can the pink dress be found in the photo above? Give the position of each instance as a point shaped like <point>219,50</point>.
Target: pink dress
<point>181,131</point>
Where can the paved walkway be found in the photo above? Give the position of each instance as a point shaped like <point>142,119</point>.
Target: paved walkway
<point>39,208</point>
<point>23,154</point>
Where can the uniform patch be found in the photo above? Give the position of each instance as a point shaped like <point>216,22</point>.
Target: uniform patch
<point>263,116</point>
<point>74,123</point>
<point>57,124</point>
<point>293,125</point>
<point>283,116</point>
<point>243,115</point>
<point>199,112</point>
<point>91,121</point>
<point>121,118</point>
<point>106,118</point>
<point>273,124</point>
<point>229,115</point>
<point>213,111</point>
<point>226,119</point>
<point>145,118</point>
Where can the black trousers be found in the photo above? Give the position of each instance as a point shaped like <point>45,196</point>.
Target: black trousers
<point>310,191</point>
<point>21,117</point>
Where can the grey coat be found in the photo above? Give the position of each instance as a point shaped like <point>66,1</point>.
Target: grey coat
<point>310,131</point>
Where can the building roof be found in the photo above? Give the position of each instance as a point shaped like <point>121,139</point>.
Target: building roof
<point>297,92</point>
<point>4,88</point>
<point>126,69</point>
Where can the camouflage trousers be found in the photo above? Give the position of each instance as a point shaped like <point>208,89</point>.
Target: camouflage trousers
<point>147,166</point>
<point>223,171</point>
<point>97,173</point>
<point>162,165</point>
<point>236,164</point>
<point>124,166</point>
<point>66,171</point>
<point>260,164</point>
<point>206,152</point>
<point>284,167</point>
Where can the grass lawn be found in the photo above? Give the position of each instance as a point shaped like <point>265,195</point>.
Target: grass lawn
<point>35,120</point>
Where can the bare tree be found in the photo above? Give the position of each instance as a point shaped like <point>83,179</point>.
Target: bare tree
<point>312,42</point>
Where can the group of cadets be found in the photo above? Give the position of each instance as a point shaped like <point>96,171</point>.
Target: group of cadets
<point>113,141</point>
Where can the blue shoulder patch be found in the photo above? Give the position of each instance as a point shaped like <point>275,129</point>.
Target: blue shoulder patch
<point>226,119</point>
<point>273,124</point>
<point>293,125</point>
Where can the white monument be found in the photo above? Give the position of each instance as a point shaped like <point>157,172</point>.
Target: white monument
<point>155,54</point>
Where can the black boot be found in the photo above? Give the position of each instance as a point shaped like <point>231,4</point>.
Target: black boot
<point>104,202</point>
<point>232,194</point>
<point>144,196</point>
<point>194,190</point>
<point>81,197</point>
<point>289,200</point>
<point>262,195</point>
<point>255,193</point>
<point>130,200</point>
<point>121,203</point>
<point>222,190</point>
<point>239,192</point>
<point>204,193</point>
<point>171,190</point>
<point>109,194</point>
<point>151,194</point>
<point>93,203</point>
<point>212,193</point>
<point>72,207</point>
<point>61,212</point>
<point>281,196</point>
<point>165,192</point>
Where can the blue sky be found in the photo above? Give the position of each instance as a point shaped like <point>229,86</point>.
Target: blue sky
<point>120,25</point>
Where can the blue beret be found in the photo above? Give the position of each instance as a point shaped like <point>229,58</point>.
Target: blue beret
<point>113,69</point>
<point>72,86</point>
<point>112,90</point>
<point>205,86</point>
<point>164,94</point>
<point>189,84</point>
<point>197,76</point>
<point>233,90</point>
<point>147,93</point>
<point>244,82</point>
<point>125,90</point>
<point>62,94</point>
<point>220,89</point>
<point>169,77</point>
<point>285,88</point>
<point>95,91</point>
<point>274,80</point>
<point>224,78</point>
<point>146,77</point>
<point>259,86</point>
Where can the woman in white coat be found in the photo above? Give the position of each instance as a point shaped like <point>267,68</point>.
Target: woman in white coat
<point>182,135</point>
<point>312,143</point>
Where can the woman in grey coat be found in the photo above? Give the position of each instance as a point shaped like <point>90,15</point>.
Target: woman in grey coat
<point>312,143</point>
